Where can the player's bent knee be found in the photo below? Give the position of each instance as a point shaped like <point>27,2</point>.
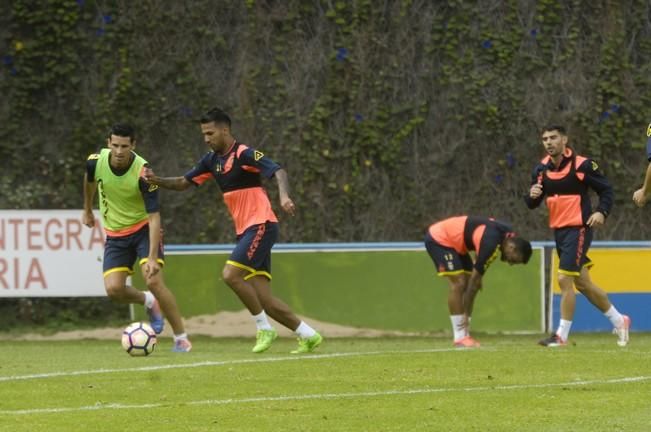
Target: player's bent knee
<point>115,291</point>
<point>231,277</point>
<point>457,285</point>
<point>581,286</point>
<point>566,280</point>
<point>156,284</point>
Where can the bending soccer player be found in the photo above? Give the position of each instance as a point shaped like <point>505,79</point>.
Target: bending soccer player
<point>130,215</point>
<point>449,241</point>
<point>565,178</point>
<point>237,169</point>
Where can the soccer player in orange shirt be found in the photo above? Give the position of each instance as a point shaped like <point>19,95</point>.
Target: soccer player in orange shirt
<point>237,169</point>
<point>563,179</point>
<point>448,243</point>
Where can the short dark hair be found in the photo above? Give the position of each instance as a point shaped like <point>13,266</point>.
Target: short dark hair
<point>523,246</point>
<point>216,115</point>
<point>123,130</point>
<point>554,127</point>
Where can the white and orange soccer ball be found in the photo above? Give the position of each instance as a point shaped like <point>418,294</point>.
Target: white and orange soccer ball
<point>139,339</point>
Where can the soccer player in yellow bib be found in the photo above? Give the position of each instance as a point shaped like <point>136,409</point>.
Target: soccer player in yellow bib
<point>129,209</point>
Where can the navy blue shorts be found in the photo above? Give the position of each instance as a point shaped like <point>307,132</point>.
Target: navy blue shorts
<point>448,261</point>
<point>253,250</point>
<point>121,252</point>
<point>572,244</point>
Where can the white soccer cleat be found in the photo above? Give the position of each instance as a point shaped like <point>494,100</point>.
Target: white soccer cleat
<point>622,332</point>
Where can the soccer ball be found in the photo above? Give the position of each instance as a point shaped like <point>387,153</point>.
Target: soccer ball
<point>139,339</point>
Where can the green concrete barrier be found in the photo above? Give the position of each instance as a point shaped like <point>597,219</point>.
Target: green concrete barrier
<point>385,289</point>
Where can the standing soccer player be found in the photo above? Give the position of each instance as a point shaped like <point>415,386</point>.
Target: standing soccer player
<point>564,178</point>
<point>130,215</point>
<point>449,241</point>
<point>640,196</point>
<point>237,170</point>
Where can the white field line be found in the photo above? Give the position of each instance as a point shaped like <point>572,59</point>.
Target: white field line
<point>218,363</point>
<point>321,396</point>
<point>46,375</point>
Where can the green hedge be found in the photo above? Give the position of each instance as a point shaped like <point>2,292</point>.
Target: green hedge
<point>386,115</point>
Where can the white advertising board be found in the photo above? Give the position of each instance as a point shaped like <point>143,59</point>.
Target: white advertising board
<point>50,253</point>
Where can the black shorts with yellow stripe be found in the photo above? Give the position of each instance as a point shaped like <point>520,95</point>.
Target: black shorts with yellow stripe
<point>253,250</point>
<point>120,253</point>
<point>572,244</point>
<point>448,261</point>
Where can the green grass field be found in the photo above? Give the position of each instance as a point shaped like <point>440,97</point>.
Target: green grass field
<point>388,384</point>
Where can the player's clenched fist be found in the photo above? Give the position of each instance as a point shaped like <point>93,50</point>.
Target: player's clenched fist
<point>639,197</point>
<point>535,191</point>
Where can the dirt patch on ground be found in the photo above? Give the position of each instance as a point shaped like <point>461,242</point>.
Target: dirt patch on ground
<point>222,324</point>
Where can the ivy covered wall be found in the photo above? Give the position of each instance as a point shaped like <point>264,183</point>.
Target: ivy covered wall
<point>387,115</point>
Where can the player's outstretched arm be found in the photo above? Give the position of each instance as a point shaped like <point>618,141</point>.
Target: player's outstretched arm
<point>640,195</point>
<point>173,183</point>
<point>283,192</point>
